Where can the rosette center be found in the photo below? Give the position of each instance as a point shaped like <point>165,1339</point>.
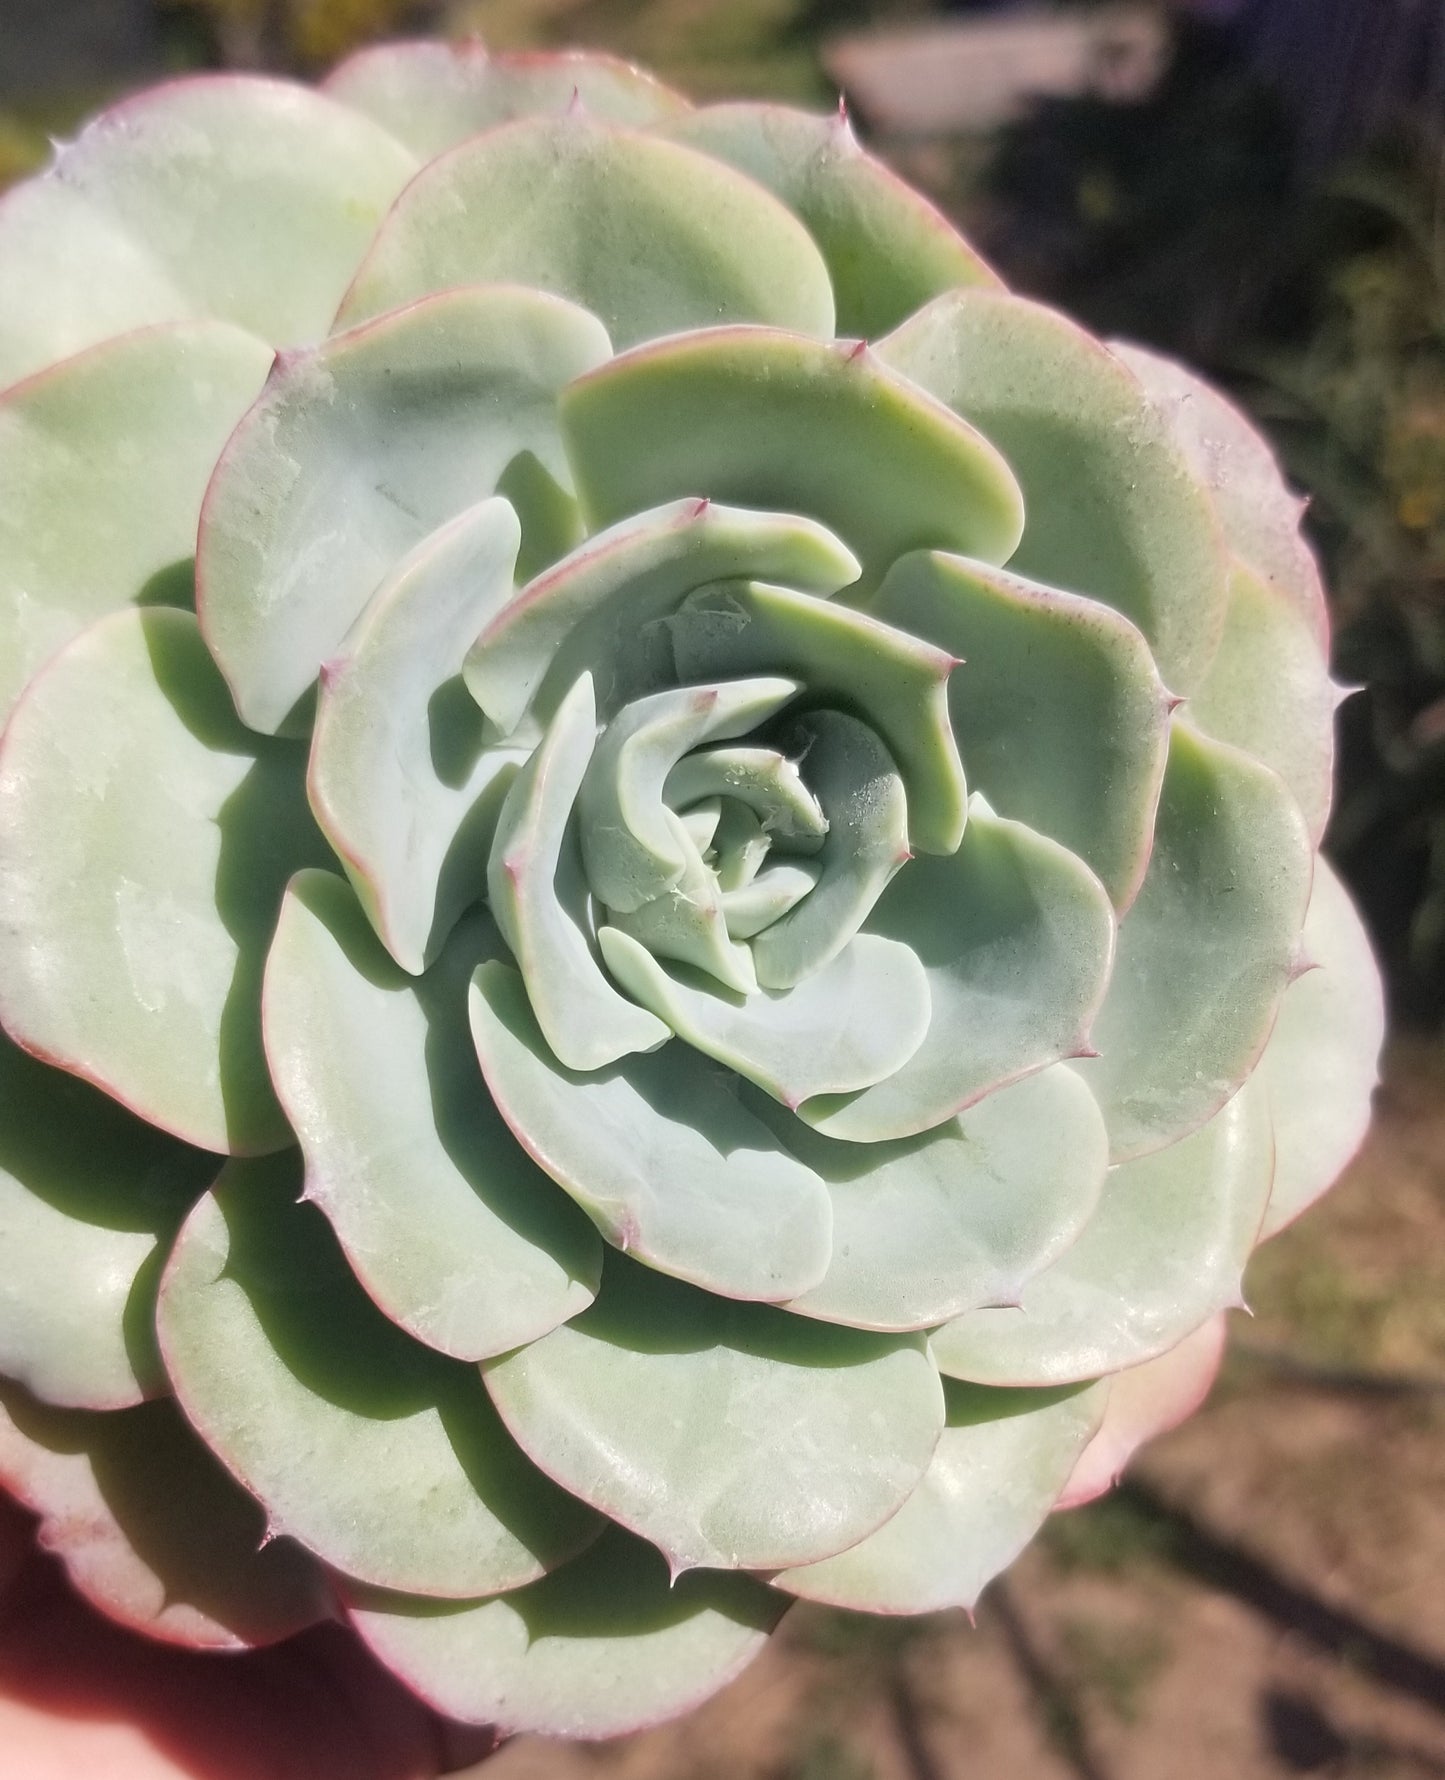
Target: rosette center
<point>724,775</point>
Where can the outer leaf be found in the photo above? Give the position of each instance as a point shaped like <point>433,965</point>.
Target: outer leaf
<point>250,200</point>
<point>1114,510</point>
<point>399,779</point>
<point>845,657</point>
<point>450,1228</point>
<point>1322,1060</point>
<point>379,1455</point>
<point>587,1023</point>
<point>70,277</point>
<point>1260,516</point>
<point>663,1405</point>
<point>1165,1251</point>
<point>790,425</point>
<point>1057,706</point>
<point>887,249</point>
<point>608,1644</point>
<point>433,95</point>
<point>929,1227</point>
<point>1207,950</point>
<point>103,462</point>
<point>1001,1461</point>
<point>1016,936</point>
<point>641,231</point>
<point>145,837</point>
<point>150,1528</point>
<point>850,1024</point>
<point>358,450</point>
<point>658,1152</point>
<point>1144,1402</point>
<point>89,1200</point>
<point>602,610</point>
<point>1269,691</point>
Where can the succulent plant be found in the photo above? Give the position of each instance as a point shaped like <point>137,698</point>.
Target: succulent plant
<point>717,817</point>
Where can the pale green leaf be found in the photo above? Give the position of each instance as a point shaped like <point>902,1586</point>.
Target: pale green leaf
<point>688,922</point>
<point>358,450</point>
<point>1268,691</point>
<point>627,846</point>
<point>145,839</point>
<point>1016,936</point>
<point>1001,1462</point>
<point>103,463</point>
<point>381,1456</point>
<point>1114,509</point>
<point>659,1152</point>
<point>1165,1251</point>
<point>862,797</point>
<point>452,1230</point>
<point>433,95</point>
<point>90,1198</point>
<point>400,780</point>
<point>766,897</point>
<point>608,1644</point>
<point>840,656</point>
<point>602,611</point>
<point>888,250</point>
<point>928,1227</point>
<point>729,1435</point>
<point>1057,706</point>
<point>247,199</point>
<point>587,1023</point>
<point>72,276</point>
<point>787,424</point>
<point>1235,464</point>
<point>848,1025</point>
<point>739,844</point>
<point>1207,949</point>
<point>641,231</point>
<point>700,823</point>
<point>1321,1064</point>
<point>149,1527</point>
<point>765,780</point>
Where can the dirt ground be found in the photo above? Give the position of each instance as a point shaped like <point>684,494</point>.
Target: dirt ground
<point>1265,1597</point>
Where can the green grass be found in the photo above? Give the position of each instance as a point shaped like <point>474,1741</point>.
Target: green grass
<point>1110,1537</point>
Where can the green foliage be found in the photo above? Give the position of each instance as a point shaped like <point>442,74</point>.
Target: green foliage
<point>1359,409</point>
<point>1114,1664</point>
<point>1111,1537</point>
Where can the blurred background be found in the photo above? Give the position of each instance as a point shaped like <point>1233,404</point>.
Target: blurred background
<point>1257,186</point>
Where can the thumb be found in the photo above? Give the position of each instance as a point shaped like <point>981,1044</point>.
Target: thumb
<point>80,1697</point>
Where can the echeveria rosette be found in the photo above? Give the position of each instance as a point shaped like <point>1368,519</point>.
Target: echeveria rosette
<point>724,839</point>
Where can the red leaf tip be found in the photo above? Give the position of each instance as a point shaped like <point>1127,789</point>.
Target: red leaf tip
<point>1301,965</point>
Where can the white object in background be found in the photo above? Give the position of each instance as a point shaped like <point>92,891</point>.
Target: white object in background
<point>974,74</point>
